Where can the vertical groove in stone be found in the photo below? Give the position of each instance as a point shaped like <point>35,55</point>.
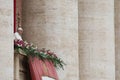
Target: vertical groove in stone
<point>117,38</point>
<point>53,24</point>
<point>96,40</point>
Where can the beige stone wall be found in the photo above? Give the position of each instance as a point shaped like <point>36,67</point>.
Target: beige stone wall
<point>96,40</point>
<point>18,12</point>
<point>117,38</point>
<point>6,39</point>
<point>53,24</point>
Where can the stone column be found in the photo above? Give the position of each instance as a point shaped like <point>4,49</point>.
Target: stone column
<point>53,24</point>
<point>96,40</point>
<point>16,67</point>
<point>6,40</point>
<point>117,38</point>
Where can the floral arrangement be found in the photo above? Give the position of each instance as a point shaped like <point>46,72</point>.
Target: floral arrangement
<point>43,54</point>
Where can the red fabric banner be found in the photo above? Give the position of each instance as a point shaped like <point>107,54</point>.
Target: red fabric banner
<point>14,16</point>
<point>39,68</point>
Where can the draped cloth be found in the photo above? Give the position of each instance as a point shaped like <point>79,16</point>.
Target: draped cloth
<point>14,16</point>
<point>39,68</point>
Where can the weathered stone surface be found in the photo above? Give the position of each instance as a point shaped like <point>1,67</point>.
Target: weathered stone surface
<point>6,40</point>
<point>117,38</point>
<point>96,40</point>
<point>18,13</point>
<point>54,25</point>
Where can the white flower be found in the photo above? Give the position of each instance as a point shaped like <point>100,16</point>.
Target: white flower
<point>26,42</point>
<point>27,46</point>
<point>31,44</point>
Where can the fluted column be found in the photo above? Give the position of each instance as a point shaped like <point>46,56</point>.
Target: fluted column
<point>6,40</point>
<point>96,40</point>
<point>53,24</point>
<point>117,38</point>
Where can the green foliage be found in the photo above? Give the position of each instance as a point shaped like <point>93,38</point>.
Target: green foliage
<point>43,55</point>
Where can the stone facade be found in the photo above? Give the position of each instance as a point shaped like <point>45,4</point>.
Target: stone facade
<point>117,38</point>
<point>96,40</point>
<point>18,13</point>
<point>81,32</point>
<point>54,25</point>
<point>6,40</point>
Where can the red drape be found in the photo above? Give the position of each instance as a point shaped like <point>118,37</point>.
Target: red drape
<point>39,68</point>
<point>14,15</point>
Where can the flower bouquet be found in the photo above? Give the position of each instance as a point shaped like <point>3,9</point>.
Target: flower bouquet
<point>43,54</point>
